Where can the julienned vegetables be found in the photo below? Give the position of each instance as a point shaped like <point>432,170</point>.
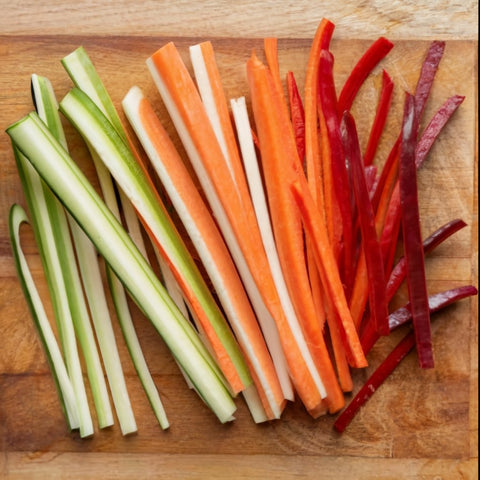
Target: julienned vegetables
<point>295,228</point>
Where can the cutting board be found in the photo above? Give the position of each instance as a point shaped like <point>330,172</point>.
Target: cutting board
<point>418,424</point>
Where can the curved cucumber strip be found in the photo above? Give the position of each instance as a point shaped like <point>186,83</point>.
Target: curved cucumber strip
<point>64,386</point>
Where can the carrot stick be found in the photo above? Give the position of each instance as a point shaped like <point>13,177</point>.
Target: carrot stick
<point>209,244</point>
<point>329,272</point>
<point>297,114</point>
<point>280,167</point>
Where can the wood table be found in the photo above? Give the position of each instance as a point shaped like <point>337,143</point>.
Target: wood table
<point>420,424</point>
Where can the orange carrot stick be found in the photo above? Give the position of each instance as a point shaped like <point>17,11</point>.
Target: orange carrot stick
<point>329,272</point>
<point>282,166</point>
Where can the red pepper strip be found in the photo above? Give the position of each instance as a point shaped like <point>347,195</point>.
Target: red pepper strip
<point>427,75</point>
<point>374,54</point>
<point>297,115</point>
<point>380,118</point>
<point>437,302</point>
<point>398,273</point>
<point>371,247</point>
<point>370,178</point>
<point>403,315</point>
<point>328,105</point>
<point>412,237</point>
<point>435,126</point>
<point>387,175</point>
<point>376,379</point>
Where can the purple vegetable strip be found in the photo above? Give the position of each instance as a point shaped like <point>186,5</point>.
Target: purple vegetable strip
<point>412,237</point>
<point>403,315</point>
<point>367,62</point>
<point>397,318</point>
<point>436,302</point>
<point>371,247</point>
<point>398,273</point>
<point>427,75</point>
<point>435,126</point>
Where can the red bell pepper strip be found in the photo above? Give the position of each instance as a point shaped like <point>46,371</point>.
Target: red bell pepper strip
<point>438,236</point>
<point>371,247</point>
<point>297,115</point>
<point>328,104</point>
<point>367,62</point>
<point>377,378</point>
<point>380,118</point>
<point>398,318</point>
<point>412,237</point>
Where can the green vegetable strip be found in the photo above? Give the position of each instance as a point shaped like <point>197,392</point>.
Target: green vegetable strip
<point>121,304</point>
<point>63,384</point>
<point>74,190</point>
<point>34,190</point>
<point>47,107</point>
<point>99,133</point>
<point>84,75</point>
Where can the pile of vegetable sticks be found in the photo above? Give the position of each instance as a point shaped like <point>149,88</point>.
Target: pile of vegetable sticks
<point>296,230</point>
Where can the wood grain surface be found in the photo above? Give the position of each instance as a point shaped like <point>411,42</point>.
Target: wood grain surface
<point>420,424</point>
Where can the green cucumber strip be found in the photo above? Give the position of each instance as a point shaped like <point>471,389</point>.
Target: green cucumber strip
<point>17,216</point>
<point>100,134</point>
<point>84,75</point>
<point>37,196</point>
<point>120,303</point>
<point>67,181</point>
<point>47,108</point>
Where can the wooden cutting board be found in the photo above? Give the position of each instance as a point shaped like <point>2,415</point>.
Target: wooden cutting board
<point>420,424</point>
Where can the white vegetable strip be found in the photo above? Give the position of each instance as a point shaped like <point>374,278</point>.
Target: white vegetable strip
<point>231,300</point>
<point>249,157</point>
<point>71,186</point>
<point>67,395</point>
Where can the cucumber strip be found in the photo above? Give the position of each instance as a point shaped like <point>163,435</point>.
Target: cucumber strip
<point>64,177</point>
<point>84,75</point>
<point>98,132</point>
<point>120,302</point>
<point>47,108</point>
<point>36,194</point>
<point>64,386</point>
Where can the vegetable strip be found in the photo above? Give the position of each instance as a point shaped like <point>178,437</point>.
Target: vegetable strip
<point>396,319</point>
<point>374,54</point>
<point>414,257</point>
